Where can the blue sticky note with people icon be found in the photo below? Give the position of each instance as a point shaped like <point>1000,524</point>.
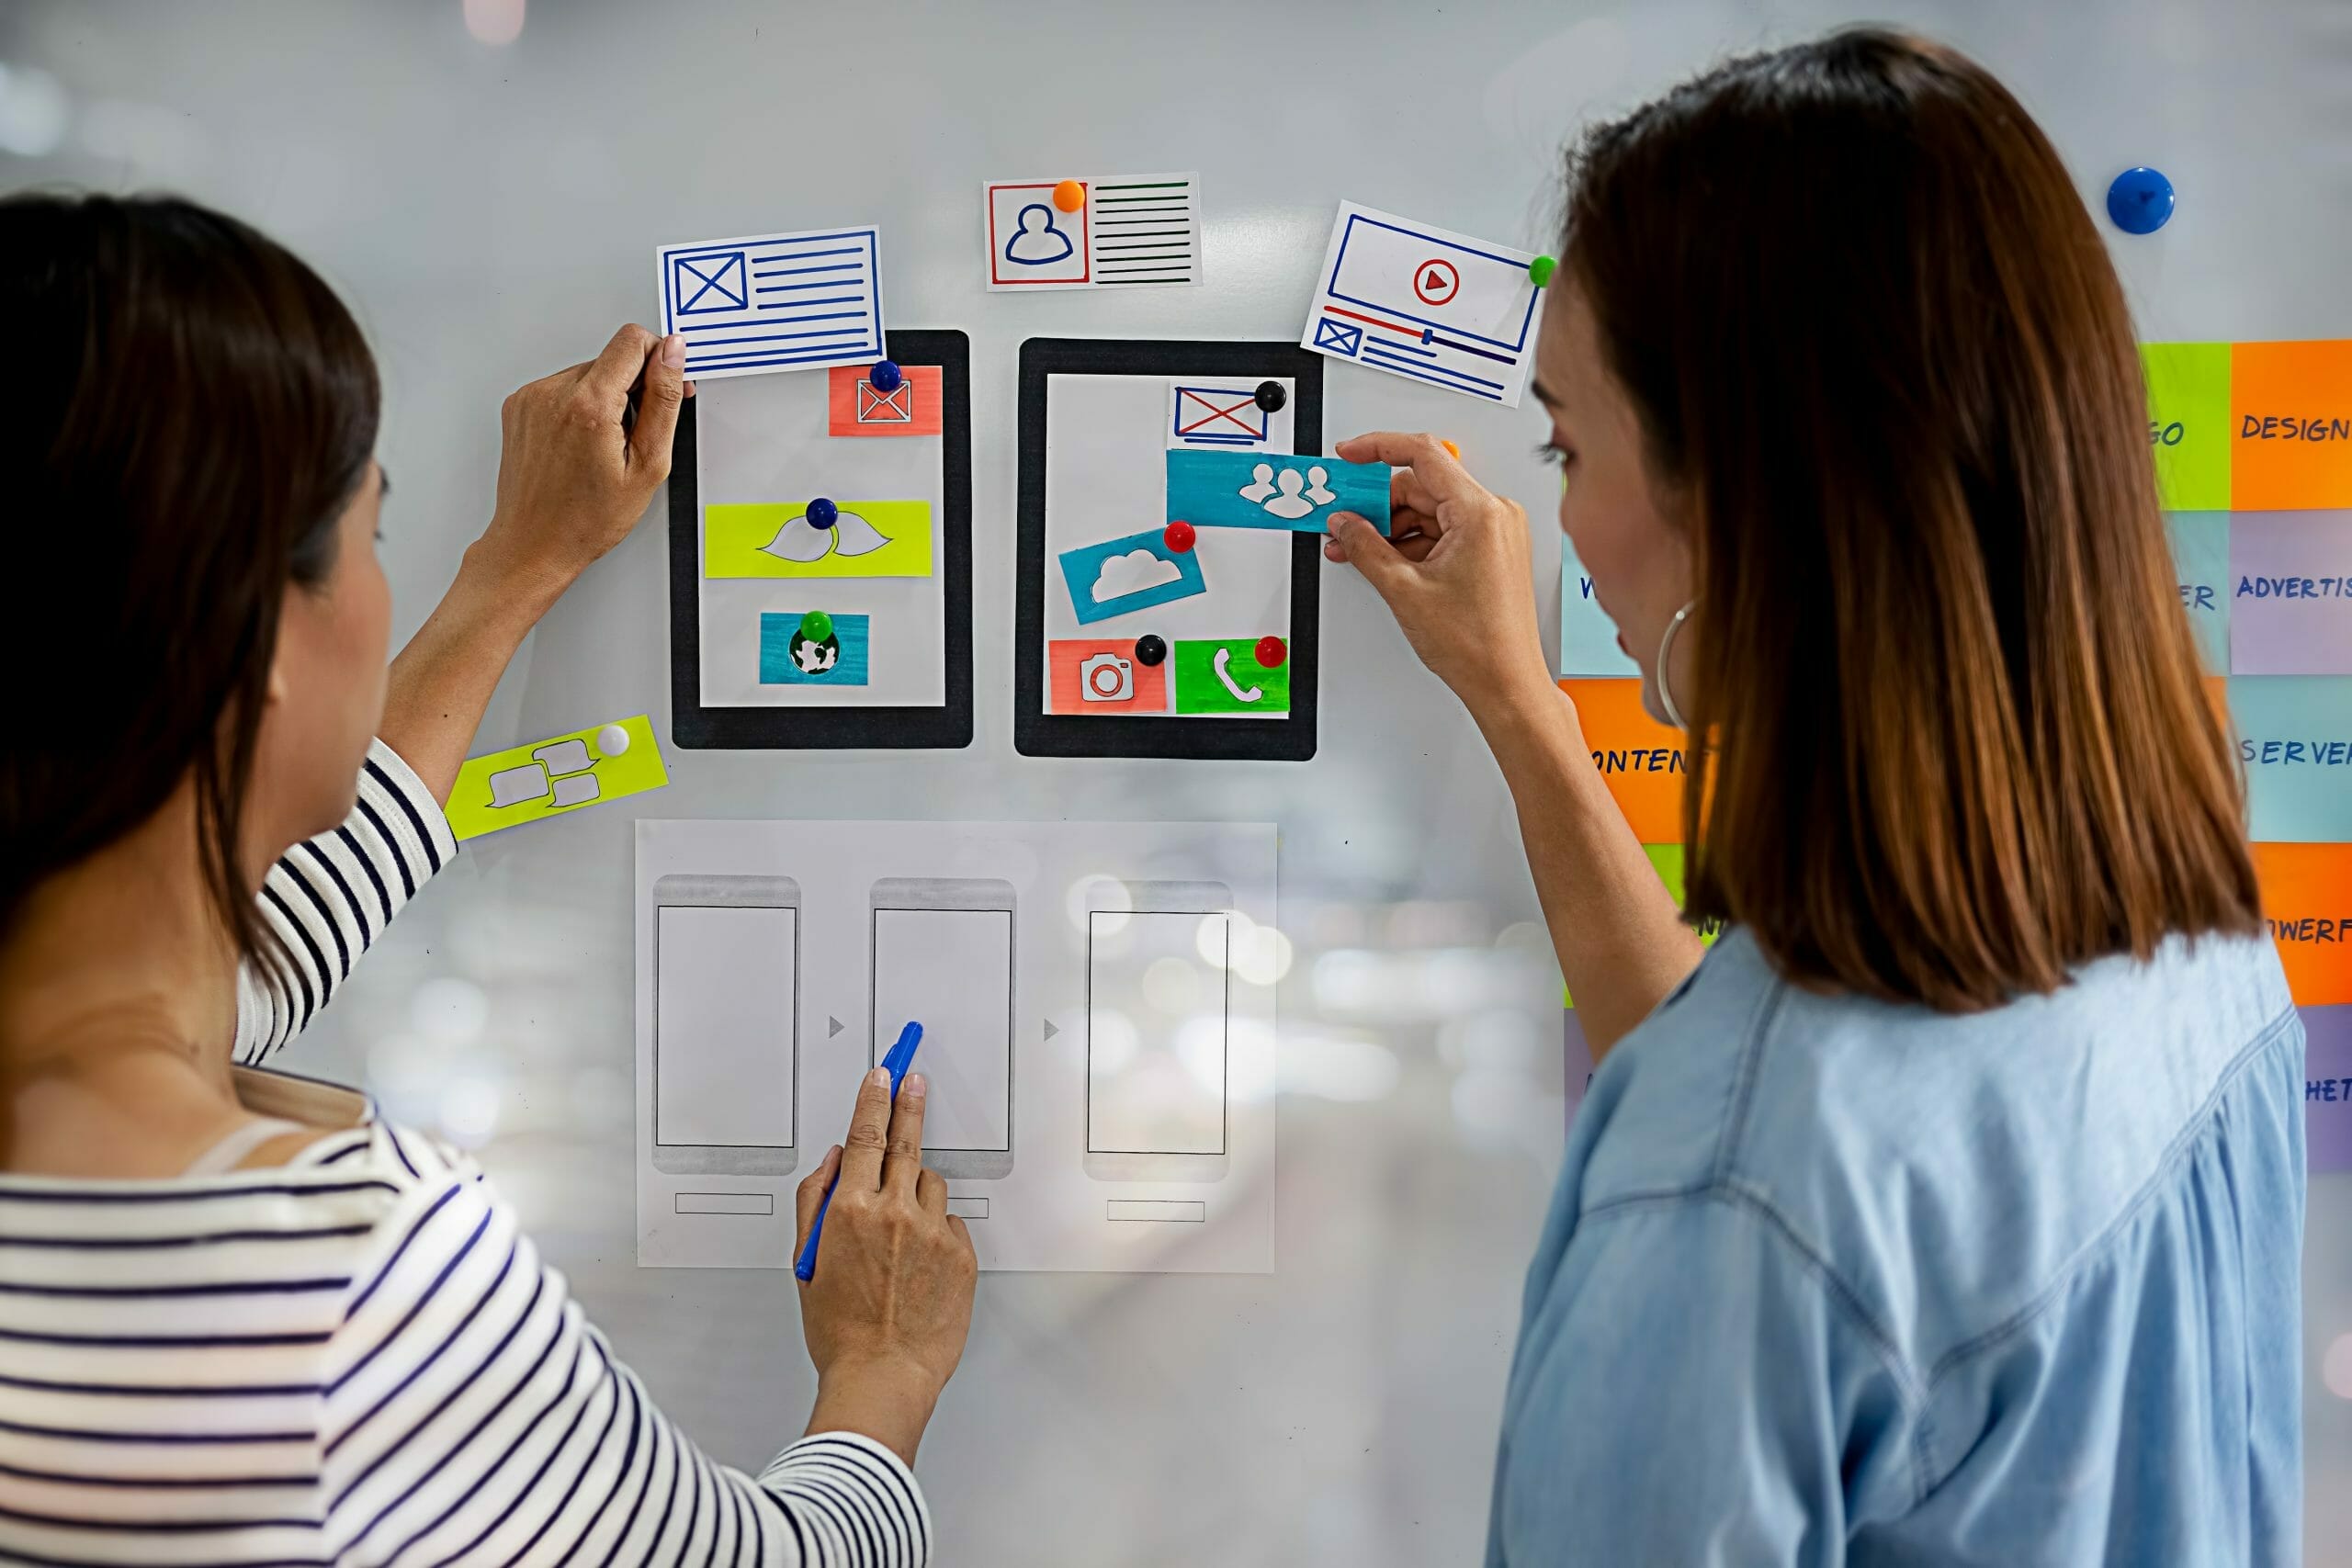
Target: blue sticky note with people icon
<point>1265,490</point>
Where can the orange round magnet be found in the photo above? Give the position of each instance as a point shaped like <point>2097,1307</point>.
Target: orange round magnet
<point>1069,195</point>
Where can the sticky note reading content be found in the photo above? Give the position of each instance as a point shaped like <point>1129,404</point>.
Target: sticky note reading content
<point>1640,760</point>
<point>523,784</point>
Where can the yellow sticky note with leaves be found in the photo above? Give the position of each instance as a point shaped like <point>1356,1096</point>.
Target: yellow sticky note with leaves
<point>547,778</point>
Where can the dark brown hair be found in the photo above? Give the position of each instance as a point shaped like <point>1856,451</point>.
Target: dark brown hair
<point>191,409</point>
<point>1954,741</point>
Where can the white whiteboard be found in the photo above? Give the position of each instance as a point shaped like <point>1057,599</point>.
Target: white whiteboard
<point>490,211</point>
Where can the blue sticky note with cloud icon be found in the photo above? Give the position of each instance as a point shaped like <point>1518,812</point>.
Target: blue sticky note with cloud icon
<point>1131,573</point>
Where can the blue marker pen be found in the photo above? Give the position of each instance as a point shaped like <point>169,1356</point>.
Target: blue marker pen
<point>898,1059</point>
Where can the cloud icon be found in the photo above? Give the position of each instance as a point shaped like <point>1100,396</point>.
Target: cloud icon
<point>1132,573</point>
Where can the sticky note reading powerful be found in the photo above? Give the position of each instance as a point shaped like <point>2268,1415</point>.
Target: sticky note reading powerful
<point>524,784</point>
<point>1261,490</point>
<point>2307,902</point>
<point>2291,425</point>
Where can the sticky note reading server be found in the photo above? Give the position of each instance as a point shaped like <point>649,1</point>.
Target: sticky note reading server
<point>523,784</point>
<point>1263,489</point>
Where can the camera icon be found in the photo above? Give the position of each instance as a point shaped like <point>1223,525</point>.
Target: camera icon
<point>1106,678</point>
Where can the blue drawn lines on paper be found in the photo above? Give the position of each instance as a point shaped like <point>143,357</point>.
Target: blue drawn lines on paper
<point>1036,242</point>
<point>1335,336</point>
<point>1219,416</point>
<point>775,301</point>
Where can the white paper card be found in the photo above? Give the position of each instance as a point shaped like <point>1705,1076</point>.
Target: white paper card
<point>1426,303</point>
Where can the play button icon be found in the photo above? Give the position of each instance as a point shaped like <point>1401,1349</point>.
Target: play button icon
<point>1436,282</point>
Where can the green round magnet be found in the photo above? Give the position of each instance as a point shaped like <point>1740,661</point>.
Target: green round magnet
<point>816,626</point>
<point>1538,271</point>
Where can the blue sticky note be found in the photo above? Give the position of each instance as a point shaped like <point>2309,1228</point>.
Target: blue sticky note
<point>1588,636</point>
<point>789,658</point>
<point>1267,490</point>
<point>2201,553</point>
<point>2295,743</point>
<point>1131,573</point>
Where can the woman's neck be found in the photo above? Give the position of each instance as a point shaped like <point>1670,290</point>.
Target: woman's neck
<point>118,1010</point>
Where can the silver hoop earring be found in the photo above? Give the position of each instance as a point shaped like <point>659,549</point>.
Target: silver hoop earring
<point>1665,651</point>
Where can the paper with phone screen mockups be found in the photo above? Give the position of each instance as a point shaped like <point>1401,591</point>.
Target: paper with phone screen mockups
<point>1165,1015</point>
<point>1425,303</point>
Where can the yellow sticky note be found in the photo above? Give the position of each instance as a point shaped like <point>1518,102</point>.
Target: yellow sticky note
<point>771,538</point>
<point>548,778</point>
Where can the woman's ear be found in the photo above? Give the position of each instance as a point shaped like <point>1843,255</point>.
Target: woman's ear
<point>274,693</point>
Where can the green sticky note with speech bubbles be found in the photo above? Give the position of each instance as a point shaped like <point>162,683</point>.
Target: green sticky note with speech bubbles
<point>551,777</point>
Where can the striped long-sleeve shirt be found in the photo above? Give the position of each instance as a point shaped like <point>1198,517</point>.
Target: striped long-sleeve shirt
<point>357,1356</point>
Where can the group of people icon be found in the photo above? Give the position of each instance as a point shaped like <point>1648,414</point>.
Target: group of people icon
<point>1283,497</point>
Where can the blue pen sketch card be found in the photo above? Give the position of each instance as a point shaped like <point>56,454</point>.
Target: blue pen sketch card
<point>1426,303</point>
<point>770,302</point>
<point>1136,572</point>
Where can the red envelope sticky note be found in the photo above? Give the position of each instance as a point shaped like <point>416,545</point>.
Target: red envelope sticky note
<point>853,406</point>
<point>1091,676</point>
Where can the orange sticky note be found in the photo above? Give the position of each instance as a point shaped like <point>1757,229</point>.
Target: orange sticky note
<point>855,406</point>
<point>2291,425</point>
<point>1640,760</point>
<point>2307,899</point>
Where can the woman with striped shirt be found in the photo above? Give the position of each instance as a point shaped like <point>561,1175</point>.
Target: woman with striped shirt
<point>241,1321</point>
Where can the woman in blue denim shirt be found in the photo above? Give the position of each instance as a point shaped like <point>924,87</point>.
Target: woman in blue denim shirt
<point>1950,1210</point>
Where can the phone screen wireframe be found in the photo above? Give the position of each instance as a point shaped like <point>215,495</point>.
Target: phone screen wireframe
<point>1158,962</point>
<point>942,957</point>
<point>726,1024</point>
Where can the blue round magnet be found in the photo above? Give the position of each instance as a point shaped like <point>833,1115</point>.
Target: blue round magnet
<point>821,513</point>
<point>884,375</point>
<point>2140,202</point>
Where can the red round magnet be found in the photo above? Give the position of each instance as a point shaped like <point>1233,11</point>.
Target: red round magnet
<point>1271,652</point>
<point>1178,536</point>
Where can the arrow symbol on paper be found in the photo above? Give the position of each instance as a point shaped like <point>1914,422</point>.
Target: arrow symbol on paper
<point>1050,1029</point>
<point>832,1026</point>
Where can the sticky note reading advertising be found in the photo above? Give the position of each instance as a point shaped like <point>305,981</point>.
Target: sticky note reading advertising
<point>768,538</point>
<point>1640,760</point>
<point>769,302</point>
<point>1227,676</point>
<point>1426,304</point>
<point>2291,425</point>
<point>813,648</point>
<point>2307,901</point>
<point>2188,422</point>
<point>1086,677</point>
<point>2295,743</point>
<point>2290,593</point>
<point>855,406</point>
<point>1092,231</point>
<point>2201,555</point>
<point>1257,490</point>
<point>1120,576</point>
<point>1588,636</point>
<point>2327,1089</point>
<point>524,784</point>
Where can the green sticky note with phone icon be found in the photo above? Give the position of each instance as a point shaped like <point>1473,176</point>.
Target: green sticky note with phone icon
<point>1227,676</point>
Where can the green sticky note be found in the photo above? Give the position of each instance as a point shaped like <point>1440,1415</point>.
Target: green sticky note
<point>1224,676</point>
<point>2188,424</point>
<point>1667,861</point>
<point>548,778</point>
<point>771,538</point>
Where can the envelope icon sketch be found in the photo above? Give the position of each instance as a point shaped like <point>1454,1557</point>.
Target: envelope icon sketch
<point>896,406</point>
<point>1338,337</point>
<point>706,281</point>
<point>1219,413</point>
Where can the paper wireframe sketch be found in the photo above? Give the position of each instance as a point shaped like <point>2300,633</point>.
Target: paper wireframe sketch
<point>766,302</point>
<point>1426,304</point>
<point>1125,230</point>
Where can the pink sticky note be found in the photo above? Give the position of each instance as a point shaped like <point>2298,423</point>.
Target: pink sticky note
<point>2290,593</point>
<point>2327,1088</point>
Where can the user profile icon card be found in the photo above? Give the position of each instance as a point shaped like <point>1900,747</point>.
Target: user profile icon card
<point>1136,572</point>
<point>1086,676</point>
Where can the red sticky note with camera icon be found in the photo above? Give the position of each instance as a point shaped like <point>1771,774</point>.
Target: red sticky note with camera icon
<point>1096,676</point>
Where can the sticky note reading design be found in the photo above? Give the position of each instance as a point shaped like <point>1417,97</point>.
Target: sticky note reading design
<point>2290,593</point>
<point>1640,760</point>
<point>1257,489</point>
<point>2295,743</point>
<point>855,406</point>
<point>1426,304</point>
<point>1120,576</point>
<point>813,648</point>
<point>774,301</point>
<point>524,784</point>
<point>2307,901</point>
<point>1225,676</point>
<point>1098,677</point>
<point>868,538</point>
<point>2188,422</point>
<point>1095,231</point>
<point>2291,425</point>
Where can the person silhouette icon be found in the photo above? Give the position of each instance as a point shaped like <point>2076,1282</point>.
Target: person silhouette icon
<point>1290,505</point>
<point>1036,242</point>
<point>1316,490</point>
<point>1261,483</point>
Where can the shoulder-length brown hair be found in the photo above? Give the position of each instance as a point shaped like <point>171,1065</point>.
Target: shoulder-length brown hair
<point>1954,741</point>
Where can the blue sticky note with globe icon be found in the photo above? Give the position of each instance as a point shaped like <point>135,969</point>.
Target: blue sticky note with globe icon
<point>813,649</point>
